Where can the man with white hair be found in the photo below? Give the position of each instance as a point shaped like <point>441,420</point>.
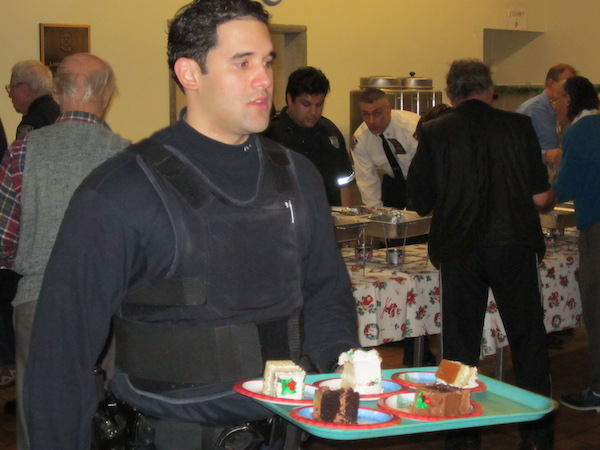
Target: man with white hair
<point>38,176</point>
<point>30,90</point>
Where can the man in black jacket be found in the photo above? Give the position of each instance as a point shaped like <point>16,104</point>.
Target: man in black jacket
<point>478,170</point>
<point>301,127</point>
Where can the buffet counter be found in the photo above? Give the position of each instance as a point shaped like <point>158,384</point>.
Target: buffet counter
<point>393,303</point>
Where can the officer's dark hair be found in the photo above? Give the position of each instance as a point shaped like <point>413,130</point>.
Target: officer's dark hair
<point>467,77</point>
<point>193,32</point>
<point>307,80</point>
<point>371,95</point>
<point>557,70</point>
<point>582,96</point>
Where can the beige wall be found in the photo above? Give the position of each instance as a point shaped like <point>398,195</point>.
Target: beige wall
<point>347,39</point>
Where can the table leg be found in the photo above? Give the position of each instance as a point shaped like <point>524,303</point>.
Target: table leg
<point>419,350</point>
<point>500,363</point>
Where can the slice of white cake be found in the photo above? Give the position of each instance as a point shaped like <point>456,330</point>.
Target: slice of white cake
<point>362,371</point>
<point>457,374</point>
<point>283,379</point>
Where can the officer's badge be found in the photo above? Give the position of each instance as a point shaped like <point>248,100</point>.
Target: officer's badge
<point>334,141</point>
<point>397,147</point>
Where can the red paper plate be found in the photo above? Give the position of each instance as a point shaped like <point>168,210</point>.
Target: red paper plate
<point>253,388</point>
<point>416,378</point>
<point>400,405</point>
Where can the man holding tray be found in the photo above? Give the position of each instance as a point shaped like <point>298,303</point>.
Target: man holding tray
<point>209,247</point>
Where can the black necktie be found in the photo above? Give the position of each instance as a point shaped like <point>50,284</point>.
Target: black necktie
<point>398,175</point>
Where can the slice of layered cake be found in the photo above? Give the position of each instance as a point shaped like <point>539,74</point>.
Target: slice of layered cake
<point>362,371</point>
<point>456,374</point>
<point>283,379</point>
<point>337,406</point>
<point>440,400</point>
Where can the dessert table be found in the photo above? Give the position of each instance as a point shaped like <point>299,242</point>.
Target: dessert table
<point>393,303</point>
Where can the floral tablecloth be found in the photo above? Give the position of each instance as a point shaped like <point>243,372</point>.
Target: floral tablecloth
<point>404,301</point>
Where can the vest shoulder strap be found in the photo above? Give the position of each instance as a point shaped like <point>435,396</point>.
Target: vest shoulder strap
<point>189,184</point>
<point>181,177</point>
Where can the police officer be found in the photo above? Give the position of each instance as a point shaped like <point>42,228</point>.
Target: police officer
<point>212,248</point>
<point>301,127</point>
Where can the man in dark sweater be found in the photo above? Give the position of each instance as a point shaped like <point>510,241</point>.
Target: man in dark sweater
<point>478,170</point>
<point>210,248</point>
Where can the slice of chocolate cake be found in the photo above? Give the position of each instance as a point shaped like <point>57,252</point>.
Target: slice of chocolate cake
<point>441,400</point>
<point>337,406</point>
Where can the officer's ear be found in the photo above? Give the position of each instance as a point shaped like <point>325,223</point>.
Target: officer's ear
<point>188,73</point>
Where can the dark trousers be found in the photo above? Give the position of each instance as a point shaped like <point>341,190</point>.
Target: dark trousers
<point>8,289</point>
<point>513,276</point>
<point>589,287</point>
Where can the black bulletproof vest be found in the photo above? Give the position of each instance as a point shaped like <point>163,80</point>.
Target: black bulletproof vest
<point>232,297</point>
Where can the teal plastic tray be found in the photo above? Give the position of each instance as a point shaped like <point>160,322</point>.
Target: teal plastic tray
<point>501,402</point>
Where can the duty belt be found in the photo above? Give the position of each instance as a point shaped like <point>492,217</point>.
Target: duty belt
<point>175,353</point>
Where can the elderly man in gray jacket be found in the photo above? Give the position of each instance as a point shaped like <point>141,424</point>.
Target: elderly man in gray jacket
<point>38,177</point>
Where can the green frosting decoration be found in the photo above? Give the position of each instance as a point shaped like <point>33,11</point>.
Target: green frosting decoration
<point>421,402</point>
<point>288,386</point>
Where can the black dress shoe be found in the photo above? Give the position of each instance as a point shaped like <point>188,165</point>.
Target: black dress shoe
<point>10,407</point>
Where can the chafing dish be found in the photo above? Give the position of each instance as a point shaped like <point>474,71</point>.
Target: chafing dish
<point>561,217</point>
<point>384,223</point>
<point>349,223</point>
<point>398,225</point>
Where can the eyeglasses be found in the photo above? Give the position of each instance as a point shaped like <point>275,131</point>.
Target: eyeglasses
<point>9,87</point>
<point>556,99</point>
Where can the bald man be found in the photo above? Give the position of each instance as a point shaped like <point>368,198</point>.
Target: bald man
<point>56,159</point>
<point>543,116</point>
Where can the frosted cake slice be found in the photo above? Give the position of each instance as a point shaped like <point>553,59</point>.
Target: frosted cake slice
<point>362,371</point>
<point>284,379</point>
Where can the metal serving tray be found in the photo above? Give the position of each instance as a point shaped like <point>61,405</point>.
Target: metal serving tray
<point>347,230</point>
<point>501,403</point>
<point>349,222</point>
<point>393,226</point>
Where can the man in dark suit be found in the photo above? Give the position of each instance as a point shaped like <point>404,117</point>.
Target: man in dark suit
<point>478,170</point>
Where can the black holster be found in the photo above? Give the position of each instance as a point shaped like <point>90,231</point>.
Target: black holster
<point>118,426</point>
<point>114,425</point>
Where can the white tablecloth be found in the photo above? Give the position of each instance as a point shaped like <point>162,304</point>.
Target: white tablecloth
<point>395,303</point>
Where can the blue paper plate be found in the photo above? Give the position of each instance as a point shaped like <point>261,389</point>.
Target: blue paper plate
<point>368,418</point>
<point>389,388</point>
